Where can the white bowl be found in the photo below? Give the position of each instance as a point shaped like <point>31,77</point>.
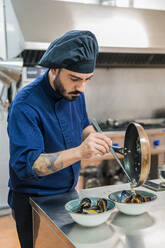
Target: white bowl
<point>89,219</point>
<point>133,208</point>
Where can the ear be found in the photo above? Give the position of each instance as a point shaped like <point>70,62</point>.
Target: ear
<point>54,71</point>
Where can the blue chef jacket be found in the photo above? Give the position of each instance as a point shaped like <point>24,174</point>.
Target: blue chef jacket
<point>42,121</point>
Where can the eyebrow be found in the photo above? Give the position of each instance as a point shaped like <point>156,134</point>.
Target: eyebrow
<point>76,77</point>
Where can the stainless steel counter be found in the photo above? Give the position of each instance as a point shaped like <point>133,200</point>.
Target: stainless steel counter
<point>120,231</point>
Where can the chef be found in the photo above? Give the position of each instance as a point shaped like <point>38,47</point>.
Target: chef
<point>49,129</point>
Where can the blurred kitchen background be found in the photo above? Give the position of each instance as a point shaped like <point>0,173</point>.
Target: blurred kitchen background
<point>129,80</point>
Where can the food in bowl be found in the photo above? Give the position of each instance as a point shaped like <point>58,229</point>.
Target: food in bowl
<point>133,208</point>
<point>89,217</point>
<point>86,206</point>
<point>129,197</point>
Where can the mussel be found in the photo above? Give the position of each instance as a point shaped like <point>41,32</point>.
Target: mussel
<point>127,197</point>
<point>102,204</point>
<point>90,211</point>
<point>132,199</point>
<point>86,206</point>
<point>147,198</point>
<point>124,195</point>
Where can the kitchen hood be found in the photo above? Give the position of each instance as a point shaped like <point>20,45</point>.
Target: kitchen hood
<point>126,36</point>
<point>10,71</point>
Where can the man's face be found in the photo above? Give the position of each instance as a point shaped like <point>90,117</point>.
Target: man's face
<point>70,84</point>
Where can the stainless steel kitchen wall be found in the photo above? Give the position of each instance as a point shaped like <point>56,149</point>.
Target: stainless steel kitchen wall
<point>126,93</point>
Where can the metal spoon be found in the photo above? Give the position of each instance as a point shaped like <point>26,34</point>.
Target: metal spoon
<point>112,148</point>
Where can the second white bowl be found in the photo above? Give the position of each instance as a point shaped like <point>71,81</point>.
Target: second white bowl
<point>132,208</point>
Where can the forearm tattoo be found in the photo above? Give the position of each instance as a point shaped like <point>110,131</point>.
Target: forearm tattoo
<point>47,164</point>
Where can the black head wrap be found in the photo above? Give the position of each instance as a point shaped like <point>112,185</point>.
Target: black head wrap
<point>76,51</point>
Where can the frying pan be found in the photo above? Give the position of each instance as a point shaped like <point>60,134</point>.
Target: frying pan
<point>136,153</point>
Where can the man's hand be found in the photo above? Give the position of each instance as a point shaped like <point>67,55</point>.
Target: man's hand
<point>96,144</point>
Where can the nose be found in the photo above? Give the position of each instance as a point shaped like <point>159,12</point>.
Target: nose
<point>80,87</point>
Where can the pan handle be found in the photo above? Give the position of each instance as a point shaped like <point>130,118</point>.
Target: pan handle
<point>118,149</point>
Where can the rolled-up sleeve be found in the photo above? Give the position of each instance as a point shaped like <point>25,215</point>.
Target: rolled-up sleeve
<point>26,140</point>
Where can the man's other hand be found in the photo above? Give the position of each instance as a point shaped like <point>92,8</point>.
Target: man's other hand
<point>96,144</point>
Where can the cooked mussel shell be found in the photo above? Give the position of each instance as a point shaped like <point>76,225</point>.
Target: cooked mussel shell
<point>147,198</point>
<point>85,206</point>
<point>102,204</point>
<point>140,197</point>
<point>124,195</point>
<point>85,203</point>
<point>92,210</point>
<point>133,198</point>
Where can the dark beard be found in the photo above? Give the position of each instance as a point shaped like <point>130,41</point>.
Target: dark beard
<point>61,90</point>
<point>58,86</point>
